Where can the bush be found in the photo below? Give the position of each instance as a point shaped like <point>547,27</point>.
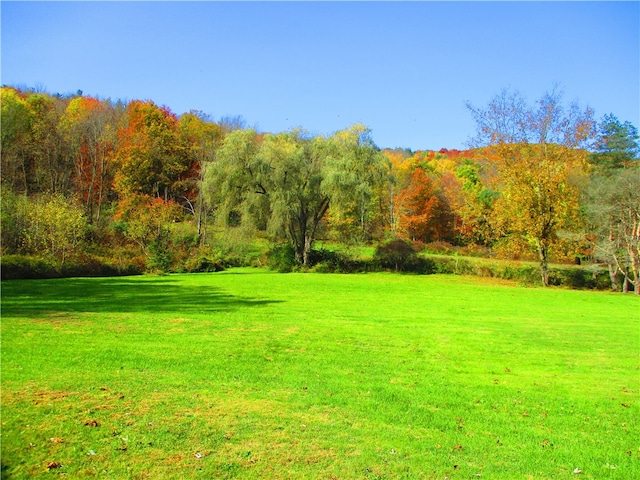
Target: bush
<point>573,277</point>
<point>282,258</point>
<point>329,261</point>
<point>18,267</point>
<point>401,256</point>
<point>160,256</point>
<point>202,264</point>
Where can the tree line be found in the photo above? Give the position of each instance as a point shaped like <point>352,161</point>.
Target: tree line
<point>84,177</point>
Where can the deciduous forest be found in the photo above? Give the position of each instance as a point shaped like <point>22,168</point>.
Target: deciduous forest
<point>93,186</point>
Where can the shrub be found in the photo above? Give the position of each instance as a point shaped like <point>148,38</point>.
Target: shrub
<point>202,264</point>
<point>329,261</point>
<point>395,254</point>
<point>401,256</point>
<point>160,256</point>
<point>18,267</point>
<point>282,258</point>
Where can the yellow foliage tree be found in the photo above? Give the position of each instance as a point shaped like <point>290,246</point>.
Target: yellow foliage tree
<point>536,149</point>
<point>538,198</point>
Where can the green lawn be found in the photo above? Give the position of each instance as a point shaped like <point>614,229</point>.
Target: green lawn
<point>253,374</point>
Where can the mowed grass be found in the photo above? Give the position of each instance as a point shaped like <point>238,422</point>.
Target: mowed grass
<point>253,374</point>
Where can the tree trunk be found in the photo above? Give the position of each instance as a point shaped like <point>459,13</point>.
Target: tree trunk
<point>613,276</point>
<point>634,252</point>
<point>543,255</point>
<point>306,253</point>
<point>635,270</point>
<point>625,281</point>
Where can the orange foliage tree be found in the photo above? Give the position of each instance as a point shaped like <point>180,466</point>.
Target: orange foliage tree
<point>89,127</point>
<point>420,207</point>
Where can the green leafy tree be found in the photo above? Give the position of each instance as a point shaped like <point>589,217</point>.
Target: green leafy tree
<point>274,182</point>
<point>355,176</point>
<point>284,182</point>
<point>616,143</point>
<point>477,203</point>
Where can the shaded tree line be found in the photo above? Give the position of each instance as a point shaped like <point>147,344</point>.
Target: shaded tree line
<point>82,175</point>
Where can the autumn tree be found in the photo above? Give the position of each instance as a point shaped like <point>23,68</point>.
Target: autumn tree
<point>203,137</point>
<point>399,169</point>
<point>55,226</point>
<point>421,206</point>
<point>537,148</point>
<point>152,156</point>
<point>89,128</point>
<point>35,158</point>
<point>16,169</point>
<point>51,165</point>
<point>147,222</point>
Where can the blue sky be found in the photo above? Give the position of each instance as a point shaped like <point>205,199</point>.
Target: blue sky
<point>405,69</point>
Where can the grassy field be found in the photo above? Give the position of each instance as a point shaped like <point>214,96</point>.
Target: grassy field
<point>253,374</point>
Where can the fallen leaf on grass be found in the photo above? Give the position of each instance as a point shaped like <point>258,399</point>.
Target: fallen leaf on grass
<point>56,440</point>
<point>52,465</point>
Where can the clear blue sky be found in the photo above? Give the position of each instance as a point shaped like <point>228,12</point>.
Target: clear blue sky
<point>404,69</point>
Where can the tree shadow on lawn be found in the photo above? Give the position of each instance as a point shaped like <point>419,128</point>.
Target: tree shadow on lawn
<point>27,298</point>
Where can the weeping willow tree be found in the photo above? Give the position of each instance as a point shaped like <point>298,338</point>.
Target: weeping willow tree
<point>285,182</point>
